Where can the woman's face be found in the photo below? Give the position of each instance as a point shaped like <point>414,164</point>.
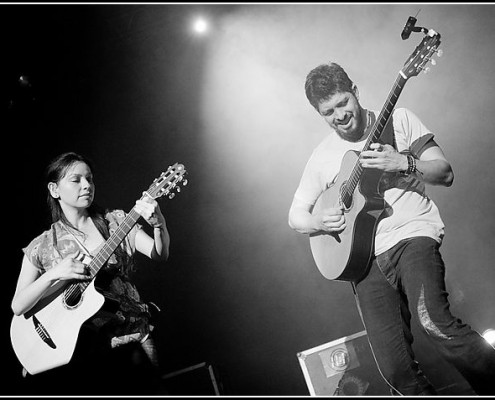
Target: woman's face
<point>76,189</point>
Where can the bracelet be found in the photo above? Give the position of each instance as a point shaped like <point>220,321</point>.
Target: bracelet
<point>411,165</point>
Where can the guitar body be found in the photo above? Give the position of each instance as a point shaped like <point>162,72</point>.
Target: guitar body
<point>346,255</point>
<point>45,337</point>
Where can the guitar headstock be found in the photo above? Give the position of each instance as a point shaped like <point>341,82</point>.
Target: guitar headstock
<point>167,182</point>
<point>422,55</point>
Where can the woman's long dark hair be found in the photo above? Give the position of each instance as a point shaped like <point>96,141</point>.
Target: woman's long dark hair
<point>55,171</point>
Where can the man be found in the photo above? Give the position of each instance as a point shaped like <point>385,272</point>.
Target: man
<point>406,279</point>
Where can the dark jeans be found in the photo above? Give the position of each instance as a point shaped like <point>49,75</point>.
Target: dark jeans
<point>408,283</point>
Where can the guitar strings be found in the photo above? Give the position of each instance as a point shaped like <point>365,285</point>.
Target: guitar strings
<point>357,170</point>
<point>75,290</point>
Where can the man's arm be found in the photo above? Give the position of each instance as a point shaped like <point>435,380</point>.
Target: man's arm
<point>303,221</point>
<point>432,166</point>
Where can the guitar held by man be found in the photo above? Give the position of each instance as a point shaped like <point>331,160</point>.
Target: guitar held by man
<point>362,201</point>
<point>355,190</point>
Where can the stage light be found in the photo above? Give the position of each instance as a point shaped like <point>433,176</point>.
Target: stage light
<point>489,336</point>
<point>200,25</point>
<point>24,81</point>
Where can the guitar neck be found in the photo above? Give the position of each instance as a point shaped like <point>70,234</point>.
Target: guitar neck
<point>377,131</point>
<point>71,291</point>
<point>113,242</point>
<point>163,185</point>
<point>386,112</point>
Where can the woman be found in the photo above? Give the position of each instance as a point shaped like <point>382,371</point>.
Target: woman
<point>116,342</point>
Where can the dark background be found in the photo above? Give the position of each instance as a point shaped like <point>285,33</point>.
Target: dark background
<point>131,87</point>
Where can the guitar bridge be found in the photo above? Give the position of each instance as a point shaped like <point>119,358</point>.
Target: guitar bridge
<point>43,333</point>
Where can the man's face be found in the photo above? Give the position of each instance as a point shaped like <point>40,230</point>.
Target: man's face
<point>344,114</point>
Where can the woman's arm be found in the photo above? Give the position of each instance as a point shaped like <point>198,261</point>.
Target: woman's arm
<point>156,247</point>
<point>32,284</point>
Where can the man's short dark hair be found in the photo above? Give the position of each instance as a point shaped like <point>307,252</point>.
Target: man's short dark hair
<point>326,80</point>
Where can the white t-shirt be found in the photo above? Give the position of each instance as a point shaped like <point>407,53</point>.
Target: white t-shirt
<point>412,213</point>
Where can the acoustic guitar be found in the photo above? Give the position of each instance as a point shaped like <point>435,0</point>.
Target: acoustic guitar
<point>45,336</point>
<point>346,256</point>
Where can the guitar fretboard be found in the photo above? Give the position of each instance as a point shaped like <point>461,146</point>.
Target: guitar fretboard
<point>377,130</point>
<point>73,293</point>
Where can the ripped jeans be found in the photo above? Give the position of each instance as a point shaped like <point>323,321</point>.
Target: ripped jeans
<point>407,283</point>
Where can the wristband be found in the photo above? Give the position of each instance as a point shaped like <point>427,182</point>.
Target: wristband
<point>411,165</point>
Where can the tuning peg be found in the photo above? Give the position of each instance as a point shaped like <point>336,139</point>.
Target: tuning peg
<point>178,189</point>
<point>171,196</point>
<point>439,53</point>
<point>184,182</point>
<point>433,62</point>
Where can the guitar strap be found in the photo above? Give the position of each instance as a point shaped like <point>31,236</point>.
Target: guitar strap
<point>416,148</point>
<point>84,255</point>
<point>80,244</point>
<point>387,136</point>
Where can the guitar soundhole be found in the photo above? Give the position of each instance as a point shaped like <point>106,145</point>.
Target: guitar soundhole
<point>73,296</point>
<point>345,198</point>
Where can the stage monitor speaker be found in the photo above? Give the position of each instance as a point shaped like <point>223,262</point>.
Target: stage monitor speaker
<point>343,367</point>
<point>197,380</point>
